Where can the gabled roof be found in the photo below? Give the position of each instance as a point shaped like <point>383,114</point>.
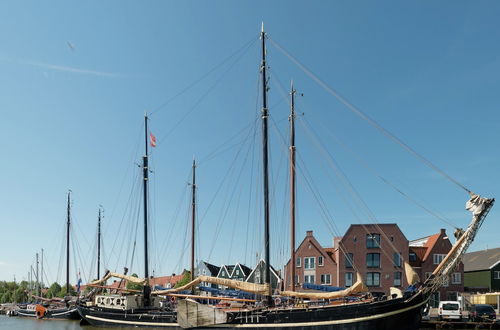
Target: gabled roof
<point>425,244</point>
<point>214,270</point>
<point>481,260</point>
<point>163,280</point>
<point>263,263</point>
<point>246,270</point>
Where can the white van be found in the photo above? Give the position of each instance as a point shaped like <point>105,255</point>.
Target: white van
<point>450,310</point>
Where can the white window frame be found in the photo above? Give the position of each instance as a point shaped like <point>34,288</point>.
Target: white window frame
<point>308,263</point>
<point>321,261</point>
<point>456,278</point>
<point>372,279</point>
<point>437,258</point>
<point>298,262</point>
<point>323,278</point>
<point>309,279</point>
<point>348,278</point>
<point>397,262</point>
<point>496,275</point>
<point>398,281</point>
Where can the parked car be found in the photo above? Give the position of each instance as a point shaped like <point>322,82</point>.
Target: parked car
<point>450,310</point>
<point>481,312</point>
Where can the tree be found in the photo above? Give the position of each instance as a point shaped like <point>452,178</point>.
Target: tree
<point>54,290</point>
<point>186,278</point>
<point>134,286</point>
<point>20,295</point>
<point>6,297</point>
<point>63,292</point>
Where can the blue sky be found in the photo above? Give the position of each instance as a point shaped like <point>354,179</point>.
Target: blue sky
<point>77,78</point>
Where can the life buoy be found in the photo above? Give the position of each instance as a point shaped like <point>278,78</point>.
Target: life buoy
<point>173,299</point>
<point>277,301</point>
<point>40,311</point>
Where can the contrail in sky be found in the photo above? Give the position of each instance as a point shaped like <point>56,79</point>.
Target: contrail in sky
<point>66,68</point>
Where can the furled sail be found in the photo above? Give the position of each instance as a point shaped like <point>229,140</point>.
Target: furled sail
<point>479,207</point>
<point>244,286</point>
<point>357,287</point>
<point>108,275</point>
<point>411,276</point>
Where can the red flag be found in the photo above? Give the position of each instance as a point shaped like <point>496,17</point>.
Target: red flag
<point>152,140</point>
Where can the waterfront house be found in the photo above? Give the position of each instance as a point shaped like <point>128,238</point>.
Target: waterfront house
<point>482,271</point>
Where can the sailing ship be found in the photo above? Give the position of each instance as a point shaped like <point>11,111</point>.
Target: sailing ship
<point>350,308</point>
<point>55,308</point>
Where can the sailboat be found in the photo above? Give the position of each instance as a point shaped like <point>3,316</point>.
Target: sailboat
<point>55,308</point>
<point>350,308</point>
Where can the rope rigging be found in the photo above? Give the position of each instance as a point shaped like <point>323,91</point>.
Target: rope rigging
<point>365,117</point>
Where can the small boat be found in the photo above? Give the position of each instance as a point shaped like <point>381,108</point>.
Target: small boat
<point>54,308</point>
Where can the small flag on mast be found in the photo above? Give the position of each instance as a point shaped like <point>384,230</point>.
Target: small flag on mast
<point>152,140</point>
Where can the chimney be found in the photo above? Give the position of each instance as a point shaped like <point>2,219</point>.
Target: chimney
<point>309,233</point>
<point>443,231</point>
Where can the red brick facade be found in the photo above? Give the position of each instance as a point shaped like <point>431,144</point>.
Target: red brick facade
<point>425,254</point>
<point>377,252</point>
<point>314,264</point>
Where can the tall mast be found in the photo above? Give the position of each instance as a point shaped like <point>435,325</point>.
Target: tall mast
<point>99,244</point>
<point>292,188</point>
<point>41,277</point>
<point>37,278</point>
<point>145,171</point>
<point>67,241</point>
<point>267,276</point>
<point>193,218</point>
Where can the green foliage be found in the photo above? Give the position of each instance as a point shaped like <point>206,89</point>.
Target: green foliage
<point>63,292</point>
<point>133,286</point>
<point>54,290</point>
<point>186,278</point>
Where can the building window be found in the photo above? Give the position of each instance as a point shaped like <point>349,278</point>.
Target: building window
<point>320,261</point>
<point>309,279</point>
<point>397,259</point>
<point>297,279</point>
<point>373,260</point>
<point>237,271</point>
<point>373,241</point>
<point>446,281</point>
<point>456,278</point>
<point>373,279</point>
<point>309,263</point>
<point>496,275</point>
<point>223,273</point>
<point>297,262</point>
<point>348,260</point>
<point>348,279</point>
<point>437,258</point>
<point>325,279</point>
<point>412,256</point>
<point>397,278</point>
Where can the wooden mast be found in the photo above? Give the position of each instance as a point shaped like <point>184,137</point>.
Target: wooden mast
<point>265,115</point>
<point>145,174</point>
<point>99,244</point>
<point>68,209</point>
<point>292,188</point>
<point>193,218</point>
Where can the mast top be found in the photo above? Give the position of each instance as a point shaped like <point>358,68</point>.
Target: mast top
<point>262,28</point>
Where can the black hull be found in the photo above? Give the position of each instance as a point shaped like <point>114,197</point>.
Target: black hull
<point>59,313</point>
<point>390,314</point>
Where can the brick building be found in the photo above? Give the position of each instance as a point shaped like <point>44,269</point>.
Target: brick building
<point>314,264</point>
<point>377,252</point>
<point>425,254</point>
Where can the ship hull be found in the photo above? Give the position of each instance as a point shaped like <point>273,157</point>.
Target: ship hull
<point>59,313</point>
<point>390,314</point>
